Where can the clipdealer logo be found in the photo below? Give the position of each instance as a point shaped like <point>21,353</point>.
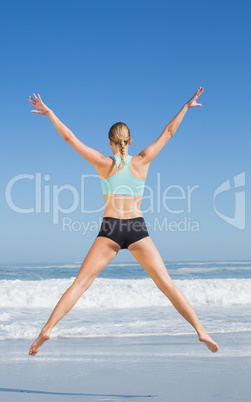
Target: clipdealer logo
<point>48,200</point>
<point>239,218</point>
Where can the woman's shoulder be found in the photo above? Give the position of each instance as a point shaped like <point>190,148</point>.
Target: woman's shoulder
<point>138,168</point>
<point>106,168</point>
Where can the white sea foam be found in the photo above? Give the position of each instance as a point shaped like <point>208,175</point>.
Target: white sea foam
<point>4,317</point>
<point>124,293</point>
<point>26,323</point>
<point>126,307</point>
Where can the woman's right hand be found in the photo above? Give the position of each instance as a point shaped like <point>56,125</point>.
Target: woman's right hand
<point>37,102</point>
<point>192,102</point>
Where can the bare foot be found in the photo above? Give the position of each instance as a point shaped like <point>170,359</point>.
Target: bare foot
<point>35,347</point>
<point>204,337</point>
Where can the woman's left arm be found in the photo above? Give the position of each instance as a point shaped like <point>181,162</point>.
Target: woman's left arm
<point>90,154</point>
<point>175,122</point>
<point>149,153</point>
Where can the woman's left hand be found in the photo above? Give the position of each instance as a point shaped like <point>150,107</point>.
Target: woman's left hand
<point>192,102</point>
<point>38,103</point>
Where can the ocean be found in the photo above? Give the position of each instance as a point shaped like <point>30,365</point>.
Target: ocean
<point>123,300</point>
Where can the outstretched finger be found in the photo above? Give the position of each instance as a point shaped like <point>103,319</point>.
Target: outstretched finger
<point>39,97</point>
<point>35,97</point>
<point>34,111</point>
<point>33,100</point>
<point>198,93</point>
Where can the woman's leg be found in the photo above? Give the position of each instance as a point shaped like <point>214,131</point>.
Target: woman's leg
<point>149,258</point>
<point>100,254</point>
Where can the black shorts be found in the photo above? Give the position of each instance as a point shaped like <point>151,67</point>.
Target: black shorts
<point>123,231</point>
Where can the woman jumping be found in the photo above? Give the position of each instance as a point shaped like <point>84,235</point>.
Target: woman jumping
<point>122,178</point>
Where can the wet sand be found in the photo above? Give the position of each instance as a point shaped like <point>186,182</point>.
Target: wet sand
<point>145,368</point>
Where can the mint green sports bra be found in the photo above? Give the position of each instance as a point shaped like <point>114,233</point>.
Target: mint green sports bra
<point>123,182</point>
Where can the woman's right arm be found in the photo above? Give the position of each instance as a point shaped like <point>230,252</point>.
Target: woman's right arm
<point>149,153</point>
<point>64,131</point>
<point>91,155</point>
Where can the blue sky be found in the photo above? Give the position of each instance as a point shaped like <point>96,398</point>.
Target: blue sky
<point>98,62</point>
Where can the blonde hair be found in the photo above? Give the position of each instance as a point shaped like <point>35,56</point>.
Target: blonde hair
<point>119,133</point>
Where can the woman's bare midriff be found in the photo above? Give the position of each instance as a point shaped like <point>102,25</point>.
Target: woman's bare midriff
<point>122,206</point>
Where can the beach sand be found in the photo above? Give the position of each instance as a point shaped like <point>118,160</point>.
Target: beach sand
<point>143,368</point>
